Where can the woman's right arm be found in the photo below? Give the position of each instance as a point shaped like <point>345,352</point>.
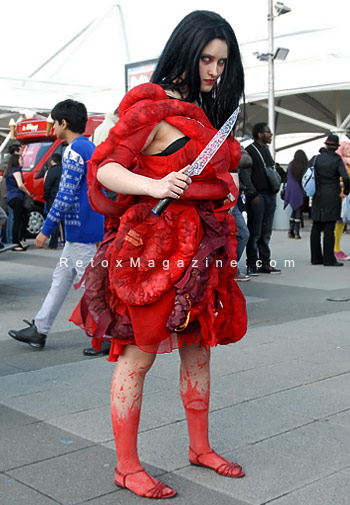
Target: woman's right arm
<point>115,177</point>
<point>20,184</point>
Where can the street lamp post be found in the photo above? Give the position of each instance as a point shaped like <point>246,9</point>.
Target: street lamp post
<point>271,76</point>
<point>281,54</point>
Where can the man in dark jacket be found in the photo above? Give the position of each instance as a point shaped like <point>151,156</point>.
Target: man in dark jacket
<point>260,202</point>
<point>326,204</point>
<point>51,184</point>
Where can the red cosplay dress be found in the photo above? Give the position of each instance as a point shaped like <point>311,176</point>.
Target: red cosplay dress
<point>160,282</point>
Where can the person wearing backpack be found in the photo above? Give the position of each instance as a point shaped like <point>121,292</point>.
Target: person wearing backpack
<point>326,203</point>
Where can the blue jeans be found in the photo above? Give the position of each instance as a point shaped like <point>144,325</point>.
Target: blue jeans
<point>260,221</point>
<point>7,230</point>
<point>243,232</point>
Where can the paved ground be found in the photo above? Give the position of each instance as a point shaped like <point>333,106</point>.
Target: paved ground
<point>280,398</point>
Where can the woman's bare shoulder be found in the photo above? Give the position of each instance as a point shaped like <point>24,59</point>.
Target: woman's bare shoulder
<point>160,137</point>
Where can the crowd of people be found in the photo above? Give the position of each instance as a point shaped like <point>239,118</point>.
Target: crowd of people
<point>116,248</point>
<point>332,169</point>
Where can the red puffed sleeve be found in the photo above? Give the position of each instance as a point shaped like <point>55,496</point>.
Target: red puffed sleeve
<point>129,147</point>
<point>235,152</point>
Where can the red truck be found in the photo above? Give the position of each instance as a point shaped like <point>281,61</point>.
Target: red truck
<point>39,143</point>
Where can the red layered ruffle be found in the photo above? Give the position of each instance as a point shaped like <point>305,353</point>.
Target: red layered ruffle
<point>144,260</point>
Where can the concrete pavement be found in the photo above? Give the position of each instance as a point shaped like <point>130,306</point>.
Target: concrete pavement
<point>280,398</point>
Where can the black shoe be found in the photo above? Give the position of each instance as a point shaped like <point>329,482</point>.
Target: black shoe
<point>29,335</point>
<point>252,272</point>
<point>20,248</point>
<point>336,264</point>
<point>90,351</point>
<point>267,269</point>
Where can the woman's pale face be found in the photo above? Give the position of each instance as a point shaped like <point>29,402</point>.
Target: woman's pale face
<point>212,63</point>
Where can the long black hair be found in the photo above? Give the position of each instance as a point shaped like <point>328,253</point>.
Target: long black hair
<point>178,65</point>
<point>12,162</point>
<point>299,165</point>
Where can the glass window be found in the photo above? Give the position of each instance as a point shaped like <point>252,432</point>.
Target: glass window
<point>61,148</point>
<point>32,154</point>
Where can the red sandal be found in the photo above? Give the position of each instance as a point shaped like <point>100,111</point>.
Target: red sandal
<point>157,490</point>
<point>227,469</point>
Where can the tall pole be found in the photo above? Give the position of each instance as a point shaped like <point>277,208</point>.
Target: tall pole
<point>271,76</point>
<point>122,22</point>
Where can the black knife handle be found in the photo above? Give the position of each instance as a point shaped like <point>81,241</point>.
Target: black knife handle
<point>161,206</point>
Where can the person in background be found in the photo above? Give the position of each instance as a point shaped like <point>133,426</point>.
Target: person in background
<point>344,152</point>
<point>260,203</point>
<point>15,200</point>
<point>236,212</point>
<point>294,195</point>
<point>3,218</point>
<point>3,215</point>
<point>84,227</point>
<point>14,148</point>
<point>51,185</point>
<point>326,203</point>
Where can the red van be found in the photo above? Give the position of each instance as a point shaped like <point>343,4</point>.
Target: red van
<point>39,143</point>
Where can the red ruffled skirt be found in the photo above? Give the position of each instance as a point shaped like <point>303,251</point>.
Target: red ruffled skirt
<point>160,282</point>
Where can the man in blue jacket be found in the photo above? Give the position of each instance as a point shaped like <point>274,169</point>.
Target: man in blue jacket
<point>84,227</point>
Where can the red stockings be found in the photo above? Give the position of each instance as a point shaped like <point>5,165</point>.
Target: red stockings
<point>195,393</point>
<point>126,399</point>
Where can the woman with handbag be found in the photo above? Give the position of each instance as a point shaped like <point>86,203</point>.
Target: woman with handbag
<point>16,193</point>
<point>326,203</point>
<point>293,194</point>
<point>159,300</point>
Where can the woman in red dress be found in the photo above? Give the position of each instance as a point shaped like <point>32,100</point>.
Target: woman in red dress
<point>161,283</point>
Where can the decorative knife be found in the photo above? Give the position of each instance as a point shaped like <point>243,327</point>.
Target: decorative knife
<point>203,158</point>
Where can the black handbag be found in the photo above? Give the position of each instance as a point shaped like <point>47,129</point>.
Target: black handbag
<point>273,177</point>
<point>28,203</point>
<point>283,191</point>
